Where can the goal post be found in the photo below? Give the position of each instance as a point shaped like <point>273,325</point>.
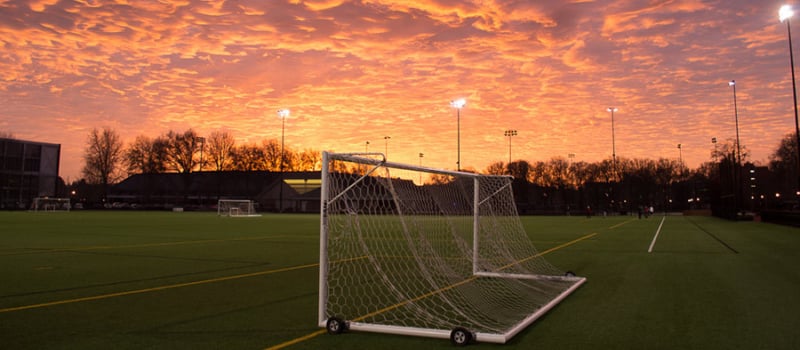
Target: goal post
<point>236,208</point>
<point>427,252</point>
<point>50,204</point>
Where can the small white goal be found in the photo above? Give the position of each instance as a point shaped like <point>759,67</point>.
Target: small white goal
<point>50,204</point>
<point>236,208</point>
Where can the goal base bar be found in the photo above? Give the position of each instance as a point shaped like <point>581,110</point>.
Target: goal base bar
<point>481,337</point>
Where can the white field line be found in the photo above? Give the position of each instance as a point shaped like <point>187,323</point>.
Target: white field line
<point>653,243</point>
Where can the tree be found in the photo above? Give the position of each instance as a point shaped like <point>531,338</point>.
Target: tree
<point>181,151</point>
<point>248,158</point>
<point>519,169</point>
<point>103,156</point>
<point>221,146</point>
<point>6,135</point>
<point>496,168</point>
<point>146,155</point>
<point>783,162</point>
<point>308,160</point>
<point>272,155</point>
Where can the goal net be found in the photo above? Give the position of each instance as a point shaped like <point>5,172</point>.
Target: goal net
<point>427,252</point>
<point>48,204</point>
<point>236,208</point>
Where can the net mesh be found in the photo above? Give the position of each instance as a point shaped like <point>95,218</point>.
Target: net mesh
<point>50,204</point>
<point>236,207</point>
<point>405,248</point>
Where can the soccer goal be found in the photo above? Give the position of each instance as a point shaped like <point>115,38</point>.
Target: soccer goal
<point>428,252</point>
<point>236,208</point>
<point>48,204</point>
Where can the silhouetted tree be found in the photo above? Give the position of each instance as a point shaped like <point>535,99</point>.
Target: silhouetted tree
<point>182,149</point>
<point>146,155</point>
<point>221,146</point>
<point>103,157</point>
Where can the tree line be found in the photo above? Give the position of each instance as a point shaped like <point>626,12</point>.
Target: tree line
<point>108,161</point>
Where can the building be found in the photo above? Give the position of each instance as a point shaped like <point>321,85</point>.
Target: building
<point>296,192</point>
<point>28,170</point>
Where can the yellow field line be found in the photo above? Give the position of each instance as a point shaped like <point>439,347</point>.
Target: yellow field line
<point>145,245</point>
<point>155,289</point>
<point>620,224</point>
<point>438,291</point>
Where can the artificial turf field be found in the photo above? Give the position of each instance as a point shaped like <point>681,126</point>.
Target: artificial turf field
<point>163,280</point>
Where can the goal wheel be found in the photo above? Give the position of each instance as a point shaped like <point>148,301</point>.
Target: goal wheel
<point>569,274</point>
<point>335,325</point>
<point>460,336</point>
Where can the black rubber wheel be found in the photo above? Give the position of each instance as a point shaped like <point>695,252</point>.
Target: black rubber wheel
<point>569,274</point>
<point>335,325</point>
<point>460,337</point>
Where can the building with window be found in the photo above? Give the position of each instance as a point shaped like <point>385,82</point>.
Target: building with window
<point>28,170</point>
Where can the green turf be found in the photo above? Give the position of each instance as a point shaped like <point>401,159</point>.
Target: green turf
<point>196,281</point>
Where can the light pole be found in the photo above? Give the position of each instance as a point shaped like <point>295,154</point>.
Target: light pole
<point>714,142</point>
<point>680,157</point>
<point>458,104</point>
<point>366,147</point>
<point>202,141</point>
<point>386,146</point>
<point>737,174</point>
<point>736,115</point>
<point>784,14</point>
<point>613,142</point>
<point>420,165</point>
<point>283,114</point>
<point>509,134</point>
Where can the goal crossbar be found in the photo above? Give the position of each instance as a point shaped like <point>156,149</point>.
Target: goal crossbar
<point>427,258</point>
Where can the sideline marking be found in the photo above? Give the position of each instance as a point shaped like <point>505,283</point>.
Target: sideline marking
<point>155,289</point>
<point>141,245</point>
<point>620,224</point>
<point>392,307</point>
<point>653,243</point>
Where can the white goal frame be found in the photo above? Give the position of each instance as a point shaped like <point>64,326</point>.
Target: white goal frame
<point>236,208</point>
<point>368,165</point>
<point>50,204</point>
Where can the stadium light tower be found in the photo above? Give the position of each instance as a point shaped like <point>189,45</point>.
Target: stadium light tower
<point>714,142</point>
<point>613,142</point>
<point>386,146</point>
<point>202,141</point>
<point>509,134</point>
<point>785,13</point>
<point>283,114</point>
<point>680,157</point>
<point>458,104</point>
<point>420,165</point>
<point>736,115</point>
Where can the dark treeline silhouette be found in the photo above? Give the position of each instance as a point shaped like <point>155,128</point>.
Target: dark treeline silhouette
<point>555,186</point>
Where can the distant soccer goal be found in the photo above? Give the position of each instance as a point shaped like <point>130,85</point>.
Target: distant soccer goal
<point>48,204</point>
<point>448,258</point>
<point>236,208</point>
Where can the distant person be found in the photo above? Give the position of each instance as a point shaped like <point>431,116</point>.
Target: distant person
<point>588,211</point>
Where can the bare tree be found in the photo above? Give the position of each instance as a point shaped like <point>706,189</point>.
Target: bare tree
<point>248,158</point>
<point>6,135</point>
<point>103,157</point>
<point>272,154</point>
<point>496,168</point>
<point>221,146</point>
<point>146,155</point>
<point>308,160</point>
<point>181,151</point>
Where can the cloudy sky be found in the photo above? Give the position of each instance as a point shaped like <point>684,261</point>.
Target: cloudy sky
<point>357,71</point>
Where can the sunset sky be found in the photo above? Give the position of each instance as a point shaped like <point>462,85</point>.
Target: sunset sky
<point>356,71</point>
